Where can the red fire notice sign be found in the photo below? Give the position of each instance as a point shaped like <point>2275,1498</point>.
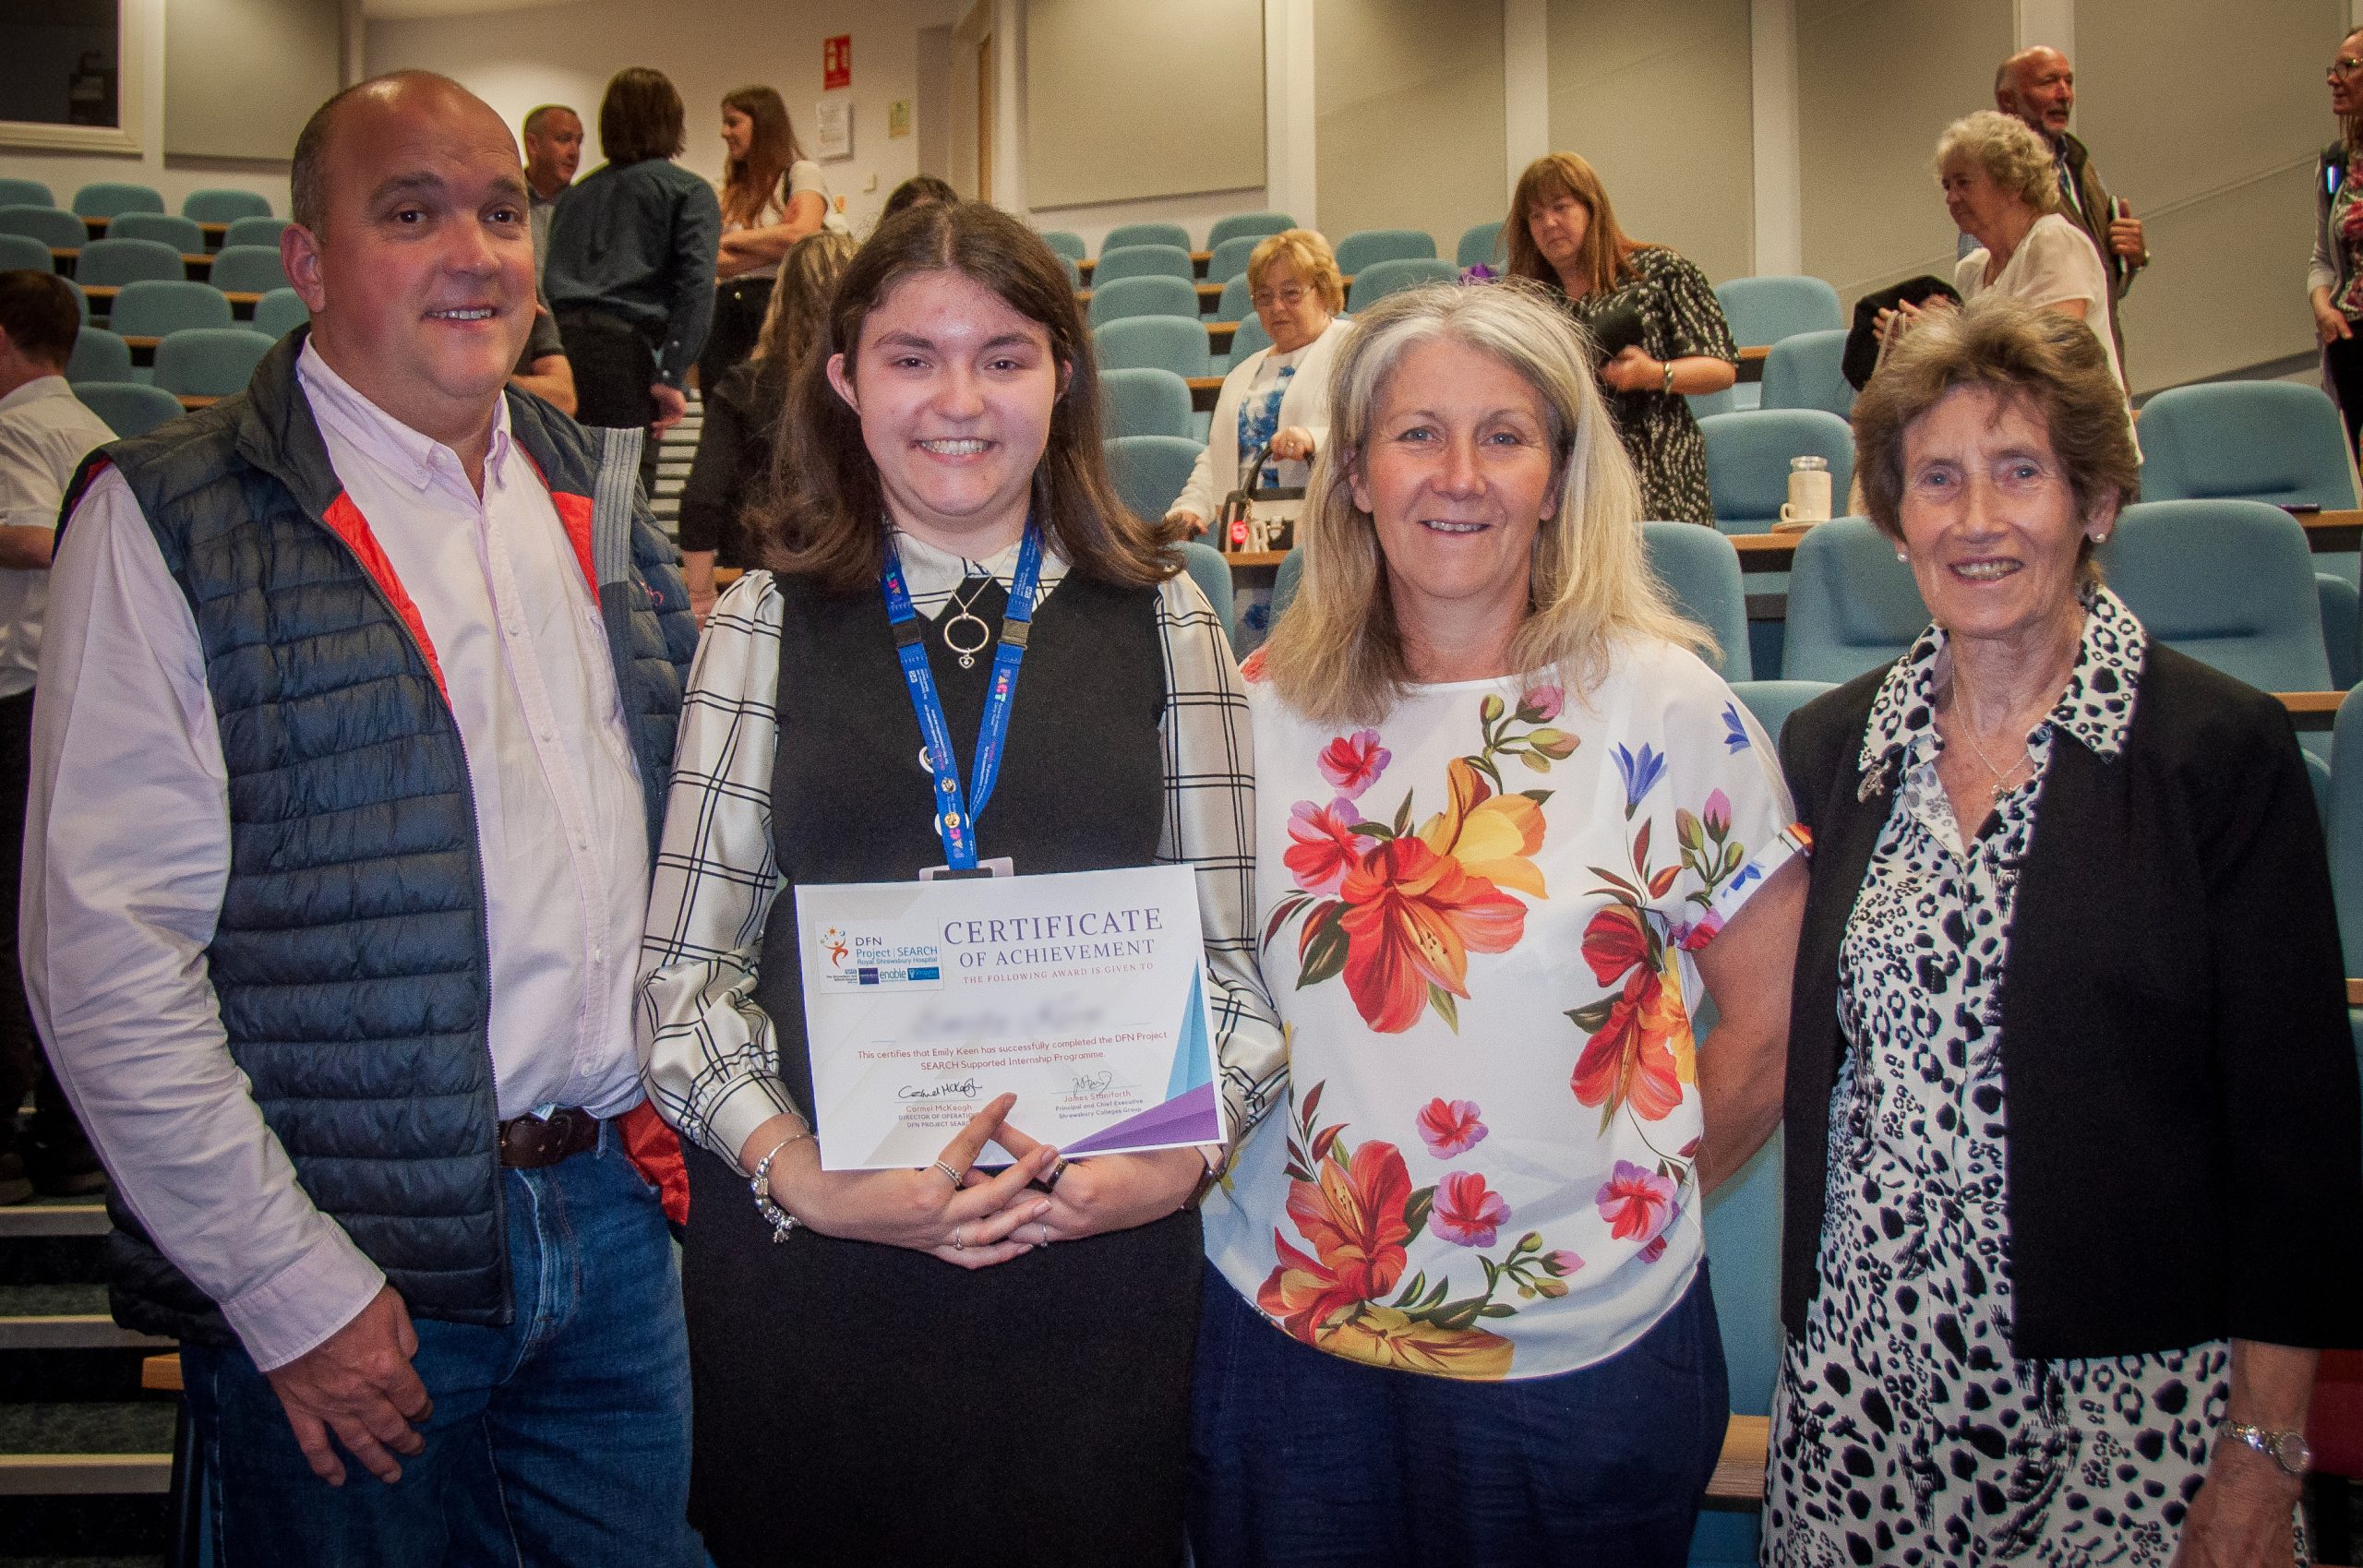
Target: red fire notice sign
<point>836,62</point>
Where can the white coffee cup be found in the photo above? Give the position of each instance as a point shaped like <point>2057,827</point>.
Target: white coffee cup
<point>1808,491</point>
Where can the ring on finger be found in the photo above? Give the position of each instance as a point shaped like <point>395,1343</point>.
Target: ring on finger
<point>959,1239</point>
<point>1050,1182</point>
<point>1042,1232</point>
<point>948,1171</point>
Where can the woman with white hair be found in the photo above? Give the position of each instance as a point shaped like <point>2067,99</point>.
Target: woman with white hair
<point>1509,822</point>
<point>2001,189</point>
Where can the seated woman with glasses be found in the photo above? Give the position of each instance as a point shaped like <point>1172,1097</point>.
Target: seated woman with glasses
<point>1279,395</point>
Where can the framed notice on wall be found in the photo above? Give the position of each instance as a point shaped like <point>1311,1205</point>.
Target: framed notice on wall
<point>832,128</point>
<point>836,62</point>
<point>72,77</point>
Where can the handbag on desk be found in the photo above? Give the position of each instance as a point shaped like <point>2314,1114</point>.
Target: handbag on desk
<point>1252,520</point>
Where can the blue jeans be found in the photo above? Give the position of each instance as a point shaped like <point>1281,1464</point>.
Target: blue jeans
<point>561,1439</point>
<point>1301,1458</point>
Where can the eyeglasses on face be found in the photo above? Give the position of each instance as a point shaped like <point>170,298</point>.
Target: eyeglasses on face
<point>2345,65</point>
<point>1291,295</point>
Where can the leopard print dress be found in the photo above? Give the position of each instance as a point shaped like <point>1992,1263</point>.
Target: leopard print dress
<point>1904,1430</point>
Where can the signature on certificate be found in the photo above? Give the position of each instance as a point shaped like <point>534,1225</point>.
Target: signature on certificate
<point>1097,1082</point>
<point>957,1089</point>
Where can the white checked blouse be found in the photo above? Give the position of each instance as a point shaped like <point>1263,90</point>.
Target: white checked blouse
<point>707,1048</point>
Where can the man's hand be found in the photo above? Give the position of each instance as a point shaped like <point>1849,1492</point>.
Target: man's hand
<point>358,1382</point>
<point>671,404</point>
<point>2124,239</point>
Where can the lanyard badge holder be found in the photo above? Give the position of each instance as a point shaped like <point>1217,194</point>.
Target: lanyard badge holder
<point>956,812</point>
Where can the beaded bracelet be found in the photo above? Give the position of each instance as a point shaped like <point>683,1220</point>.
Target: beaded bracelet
<point>781,1221</point>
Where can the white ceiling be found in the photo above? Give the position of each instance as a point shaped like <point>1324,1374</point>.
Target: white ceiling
<point>393,10</point>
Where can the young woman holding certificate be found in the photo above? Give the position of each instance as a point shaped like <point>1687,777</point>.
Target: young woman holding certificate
<point>1509,824</point>
<point>858,1400</point>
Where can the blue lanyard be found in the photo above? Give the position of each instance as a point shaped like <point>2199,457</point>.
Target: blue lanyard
<point>955,817</point>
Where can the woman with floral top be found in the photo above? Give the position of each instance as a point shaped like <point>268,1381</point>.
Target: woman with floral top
<point>1509,825</point>
<point>936,1366</point>
<point>2073,1179</point>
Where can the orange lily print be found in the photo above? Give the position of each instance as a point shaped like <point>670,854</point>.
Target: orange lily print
<point>1397,913</point>
<point>1411,918</point>
<point>1355,1206</point>
<point>1642,1050</point>
<point>1353,1215</point>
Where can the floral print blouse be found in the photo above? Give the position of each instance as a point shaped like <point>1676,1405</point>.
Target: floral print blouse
<point>1477,918</point>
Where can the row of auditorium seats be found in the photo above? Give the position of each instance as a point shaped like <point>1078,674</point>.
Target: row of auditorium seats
<point>1229,242</point>
<point>112,199</point>
<point>58,230</point>
<point>111,263</point>
<point>2229,582</point>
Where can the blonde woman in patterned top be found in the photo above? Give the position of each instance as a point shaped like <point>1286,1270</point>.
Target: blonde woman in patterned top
<point>1512,830</point>
<point>1660,336</point>
<point>2073,1175</point>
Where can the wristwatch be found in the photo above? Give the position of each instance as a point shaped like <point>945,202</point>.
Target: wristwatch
<point>2288,1450</point>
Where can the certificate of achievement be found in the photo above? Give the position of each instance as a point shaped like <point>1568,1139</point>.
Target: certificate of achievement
<point>1080,993</point>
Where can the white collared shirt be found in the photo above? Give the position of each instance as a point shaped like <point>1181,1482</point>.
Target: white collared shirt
<point>117,918</point>
<point>44,434</point>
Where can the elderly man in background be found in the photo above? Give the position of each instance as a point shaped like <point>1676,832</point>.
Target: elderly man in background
<point>553,151</point>
<point>357,703</point>
<point>2038,85</point>
<point>44,434</point>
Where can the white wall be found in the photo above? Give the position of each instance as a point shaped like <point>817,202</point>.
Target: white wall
<point>565,53</point>
<point>246,75</point>
<point>65,173</point>
<point>1618,69</point>
<point>2211,137</point>
<point>1091,65</point>
<point>1878,82</point>
<point>1409,113</point>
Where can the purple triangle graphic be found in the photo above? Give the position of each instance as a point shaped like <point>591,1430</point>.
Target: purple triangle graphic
<point>1192,1118</point>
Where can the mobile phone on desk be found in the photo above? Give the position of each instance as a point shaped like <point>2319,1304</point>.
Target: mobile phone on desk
<point>2301,509</point>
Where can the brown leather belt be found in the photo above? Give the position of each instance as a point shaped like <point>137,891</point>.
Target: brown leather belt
<point>529,1143</point>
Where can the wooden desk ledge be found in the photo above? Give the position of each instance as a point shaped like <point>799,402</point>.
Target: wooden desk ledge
<point>2354,993</point>
<point>2311,710</point>
<point>162,1376</point>
<point>1739,1470</point>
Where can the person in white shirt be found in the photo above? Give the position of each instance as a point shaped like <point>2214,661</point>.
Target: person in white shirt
<point>359,692</point>
<point>2001,189</point>
<point>44,432</point>
<point>1279,395</point>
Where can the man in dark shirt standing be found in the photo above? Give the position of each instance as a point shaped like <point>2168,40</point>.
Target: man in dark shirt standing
<point>630,269</point>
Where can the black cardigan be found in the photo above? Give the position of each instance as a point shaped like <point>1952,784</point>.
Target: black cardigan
<point>2184,1159</point>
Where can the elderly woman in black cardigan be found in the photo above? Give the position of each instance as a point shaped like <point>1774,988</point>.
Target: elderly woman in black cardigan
<point>2072,1182</point>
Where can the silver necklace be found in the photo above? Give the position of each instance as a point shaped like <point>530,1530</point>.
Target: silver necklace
<point>966,611</point>
<point>2001,775</point>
